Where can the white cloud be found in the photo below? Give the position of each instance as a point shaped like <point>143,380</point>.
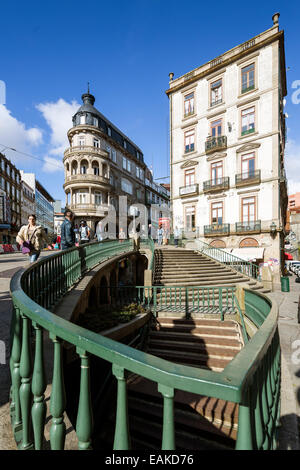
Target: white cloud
<point>58,116</point>
<point>292,166</point>
<point>52,165</point>
<point>13,133</point>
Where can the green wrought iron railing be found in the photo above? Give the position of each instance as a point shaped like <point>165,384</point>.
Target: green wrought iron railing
<point>251,379</point>
<point>238,264</point>
<point>177,299</point>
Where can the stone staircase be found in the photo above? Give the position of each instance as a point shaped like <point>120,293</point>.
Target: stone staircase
<point>185,267</point>
<point>200,422</point>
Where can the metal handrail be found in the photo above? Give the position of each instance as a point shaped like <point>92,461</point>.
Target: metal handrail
<point>251,379</point>
<point>234,262</point>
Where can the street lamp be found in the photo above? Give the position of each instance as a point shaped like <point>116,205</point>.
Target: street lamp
<point>273,229</point>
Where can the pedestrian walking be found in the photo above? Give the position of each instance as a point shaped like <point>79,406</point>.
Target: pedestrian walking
<point>84,232</point>
<point>122,235</point>
<point>67,231</point>
<point>32,238</point>
<point>160,234</point>
<point>176,236</point>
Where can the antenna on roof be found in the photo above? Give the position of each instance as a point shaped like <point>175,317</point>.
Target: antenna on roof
<point>88,87</point>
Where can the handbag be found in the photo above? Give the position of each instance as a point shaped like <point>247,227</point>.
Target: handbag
<point>27,246</point>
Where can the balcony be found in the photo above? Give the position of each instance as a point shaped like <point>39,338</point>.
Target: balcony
<point>215,230</point>
<point>87,178</point>
<point>217,184</point>
<point>248,227</point>
<point>249,177</point>
<point>189,190</point>
<point>86,149</point>
<point>214,144</point>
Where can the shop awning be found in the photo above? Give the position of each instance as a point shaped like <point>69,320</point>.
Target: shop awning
<point>249,254</point>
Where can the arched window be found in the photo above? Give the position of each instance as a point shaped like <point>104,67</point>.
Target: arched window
<point>95,166</point>
<point>74,168</point>
<point>83,167</point>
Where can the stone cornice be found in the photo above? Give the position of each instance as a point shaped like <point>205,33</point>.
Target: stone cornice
<point>210,68</point>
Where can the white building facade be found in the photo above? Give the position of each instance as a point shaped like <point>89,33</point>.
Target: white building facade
<point>227,139</point>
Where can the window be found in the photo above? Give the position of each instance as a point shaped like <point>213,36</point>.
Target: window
<point>97,143</point>
<point>139,173</point>
<point>126,164</point>
<point>81,141</point>
<point>248,121</point>
<point>95,122</point>
<point>217,213</point>
<point>96,170</point>
<point>82,119</point>
<point>126,186</point>
<point>189,177</point>
<point>82,197</point>
<point>189,104</point>
<point>248,209</point>
<point>248,166</point>
<point>109,131</point>
<point>248,78</point>
<point>189,141</point>
<point>83,168</point>
<point>216,173</point>
<point>216,128</point>
<point>108,149</point>
<point>216,93</point>
<point>190,218</point>
<point>114,156</point>
<point>125,144</point>
<point>98,199</point>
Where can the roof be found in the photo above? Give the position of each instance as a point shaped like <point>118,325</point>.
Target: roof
<point>44,192</point>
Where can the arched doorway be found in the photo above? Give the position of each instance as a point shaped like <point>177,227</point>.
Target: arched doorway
<point>249,242</point>
<point>218,244</point>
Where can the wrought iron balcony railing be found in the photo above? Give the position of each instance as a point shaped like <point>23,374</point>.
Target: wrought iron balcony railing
<point>216,229</point>
<point>249,177</point>
<point>215,143</point>
<point>188,190</point>
<point>246,227</point>
<point>216,184</point>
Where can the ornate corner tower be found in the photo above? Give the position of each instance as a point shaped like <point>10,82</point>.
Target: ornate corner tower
<point>87,164</point>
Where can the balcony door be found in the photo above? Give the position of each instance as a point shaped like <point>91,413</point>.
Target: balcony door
<point>190,218</point>
<point>248,210</point>
<point>217,213</point>
<point>248,166</point>
<point>189,177</point>
<point>216,173</point>
<point>216,128</point>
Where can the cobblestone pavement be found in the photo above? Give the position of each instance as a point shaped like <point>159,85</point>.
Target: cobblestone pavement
<point>289,330</point>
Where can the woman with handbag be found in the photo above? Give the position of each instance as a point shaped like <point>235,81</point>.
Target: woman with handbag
<point>31,238</point>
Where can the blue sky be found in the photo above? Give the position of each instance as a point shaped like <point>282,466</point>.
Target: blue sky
<point>125,49</point>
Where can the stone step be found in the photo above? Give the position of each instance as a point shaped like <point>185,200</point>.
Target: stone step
<point>199,413</point>
<point>209,339</point>
<point>211,350</point>
<point>216,282</point>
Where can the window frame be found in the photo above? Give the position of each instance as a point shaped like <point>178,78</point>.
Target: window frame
<point>252,87</point>
<point>246,133</point>
<point>220,101</point>
<point>211,212</point>
<point>254,197</point>
<point>211,127</point>
<point>220,164</point>
<point>191,113</point>
<point>245,158</point>
<point>193,133</point>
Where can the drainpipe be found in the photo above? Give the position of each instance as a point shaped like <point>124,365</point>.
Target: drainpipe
<point>171,75</point>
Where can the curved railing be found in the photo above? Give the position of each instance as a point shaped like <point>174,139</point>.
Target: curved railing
<point>251,379</point>
<point>234,262</point>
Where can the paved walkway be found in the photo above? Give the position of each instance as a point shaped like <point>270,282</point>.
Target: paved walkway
<point>289,330</point>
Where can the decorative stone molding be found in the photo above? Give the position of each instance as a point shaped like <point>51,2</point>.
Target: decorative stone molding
<point>248,147</point>
<point>189,163</point>
<point>216,156</point>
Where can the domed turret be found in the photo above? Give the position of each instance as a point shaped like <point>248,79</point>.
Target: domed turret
<point>87,113</point>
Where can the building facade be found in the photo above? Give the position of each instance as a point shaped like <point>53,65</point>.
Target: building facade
<point>101,164</point>
<point>227,140</point>
<point>10,201</point>
<point>44,209</point>
<point>27,202</point>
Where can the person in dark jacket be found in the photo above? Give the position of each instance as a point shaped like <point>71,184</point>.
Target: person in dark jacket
<point>67,231</point>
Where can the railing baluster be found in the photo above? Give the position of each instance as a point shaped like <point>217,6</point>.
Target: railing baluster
<point>122,437</point>
<point>244,436</point>
<point>15,357</point>
<point>84,423</point>
<point>58,399</point>
<point>25,389</point>
<point>168,435</point>
<point>38,412</point>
